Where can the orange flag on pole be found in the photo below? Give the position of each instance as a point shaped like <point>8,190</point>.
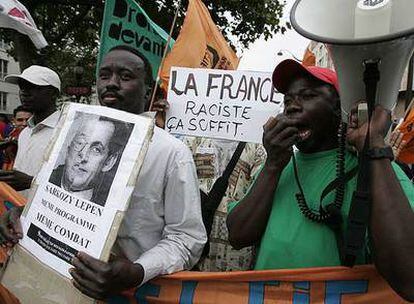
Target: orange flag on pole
<point>309,58</point>
<point>199,45</point>
<point>8,196</point>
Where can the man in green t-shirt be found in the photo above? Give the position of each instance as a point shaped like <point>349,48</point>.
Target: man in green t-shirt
<point>289,228</point>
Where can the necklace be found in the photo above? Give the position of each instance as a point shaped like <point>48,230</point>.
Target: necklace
<point>331,214</point>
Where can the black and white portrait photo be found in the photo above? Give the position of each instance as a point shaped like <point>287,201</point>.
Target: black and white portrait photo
<point>90,155</point>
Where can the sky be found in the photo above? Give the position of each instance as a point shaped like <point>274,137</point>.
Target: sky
<point>262,55</point>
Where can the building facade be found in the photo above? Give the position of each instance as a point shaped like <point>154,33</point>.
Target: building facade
<point>9,93</point>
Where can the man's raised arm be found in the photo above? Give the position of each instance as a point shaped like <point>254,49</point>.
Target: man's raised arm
<point>247,221</point>
<point>392,217</point>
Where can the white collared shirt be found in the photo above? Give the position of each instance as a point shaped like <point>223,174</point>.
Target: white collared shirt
<point>163,228</point>
<point>32,144</point>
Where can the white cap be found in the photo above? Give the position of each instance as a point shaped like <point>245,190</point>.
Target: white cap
<point>38,75</point>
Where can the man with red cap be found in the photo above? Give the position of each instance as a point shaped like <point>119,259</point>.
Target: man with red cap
<point>290,213</point>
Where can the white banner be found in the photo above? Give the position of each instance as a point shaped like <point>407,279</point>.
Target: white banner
<point>231,105</point>
<point>84,187</point>
<point>14,15</point>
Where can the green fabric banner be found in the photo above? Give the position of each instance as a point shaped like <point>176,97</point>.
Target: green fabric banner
<point>126,23</point>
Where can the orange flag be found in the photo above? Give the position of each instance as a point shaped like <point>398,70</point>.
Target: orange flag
<point>7,297</point>
<point>309,58</point>
<point>326,285</point>
<point>199,45</point>
<point>8,196</point>
<point>407,128</point>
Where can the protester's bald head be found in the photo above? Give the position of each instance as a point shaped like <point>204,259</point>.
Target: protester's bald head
<point>124,80</point>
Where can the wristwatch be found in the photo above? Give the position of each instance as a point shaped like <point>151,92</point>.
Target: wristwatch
<point>379,153</point>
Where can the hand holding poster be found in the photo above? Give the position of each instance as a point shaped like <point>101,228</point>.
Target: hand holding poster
<point>222,104</point>
<point>82,190</point>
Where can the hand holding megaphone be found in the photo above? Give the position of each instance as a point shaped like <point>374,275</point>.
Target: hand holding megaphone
<point>380,122</point>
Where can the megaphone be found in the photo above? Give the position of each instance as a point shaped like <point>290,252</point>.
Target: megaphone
<point>360,31</point>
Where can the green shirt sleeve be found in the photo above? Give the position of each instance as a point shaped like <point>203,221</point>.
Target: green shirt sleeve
<point>405,183</point>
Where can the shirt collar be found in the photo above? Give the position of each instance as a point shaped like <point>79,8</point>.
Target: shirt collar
<point>149,114</point>
<point>50,121</point>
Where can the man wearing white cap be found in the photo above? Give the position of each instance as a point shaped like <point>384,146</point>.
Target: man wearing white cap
<point>39,88</point>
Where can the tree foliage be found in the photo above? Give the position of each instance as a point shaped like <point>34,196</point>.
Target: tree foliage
<point>72,28</point>
<point>72,32</point>
<point>244,20</point>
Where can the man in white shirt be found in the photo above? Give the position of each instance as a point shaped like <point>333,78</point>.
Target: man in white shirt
<point>39,88</point>
<point>163,230</point>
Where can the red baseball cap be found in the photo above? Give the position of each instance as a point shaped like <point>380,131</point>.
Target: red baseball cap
<point>289,70</point>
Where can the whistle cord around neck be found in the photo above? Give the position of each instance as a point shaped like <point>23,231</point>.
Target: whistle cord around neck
<point>331,214</point>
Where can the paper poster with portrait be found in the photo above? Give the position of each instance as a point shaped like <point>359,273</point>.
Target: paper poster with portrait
<point>84,187</point>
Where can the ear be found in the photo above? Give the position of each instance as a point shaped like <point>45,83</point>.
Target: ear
<point>54,94</point>
<point>338,113</point>
<point>337,107</point>
<point>147,96</point>
<point>110,162</point>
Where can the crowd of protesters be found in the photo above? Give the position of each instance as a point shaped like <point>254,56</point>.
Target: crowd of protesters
<point>269,213</point>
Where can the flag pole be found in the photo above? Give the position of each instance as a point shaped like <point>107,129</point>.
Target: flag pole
<point>154,90</point>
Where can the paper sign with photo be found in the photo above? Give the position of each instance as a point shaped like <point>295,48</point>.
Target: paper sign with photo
<point>85,184</point>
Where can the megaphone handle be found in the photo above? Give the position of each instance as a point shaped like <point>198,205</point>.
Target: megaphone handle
<point>360,209</point>
<point>371,79</point>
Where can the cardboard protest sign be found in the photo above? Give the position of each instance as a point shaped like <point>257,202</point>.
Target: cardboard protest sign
<point>222,104</point>
<point>126,23</point>
<point>80,195</point>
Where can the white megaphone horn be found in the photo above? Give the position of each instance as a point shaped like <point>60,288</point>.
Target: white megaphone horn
<point>360,31</point>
